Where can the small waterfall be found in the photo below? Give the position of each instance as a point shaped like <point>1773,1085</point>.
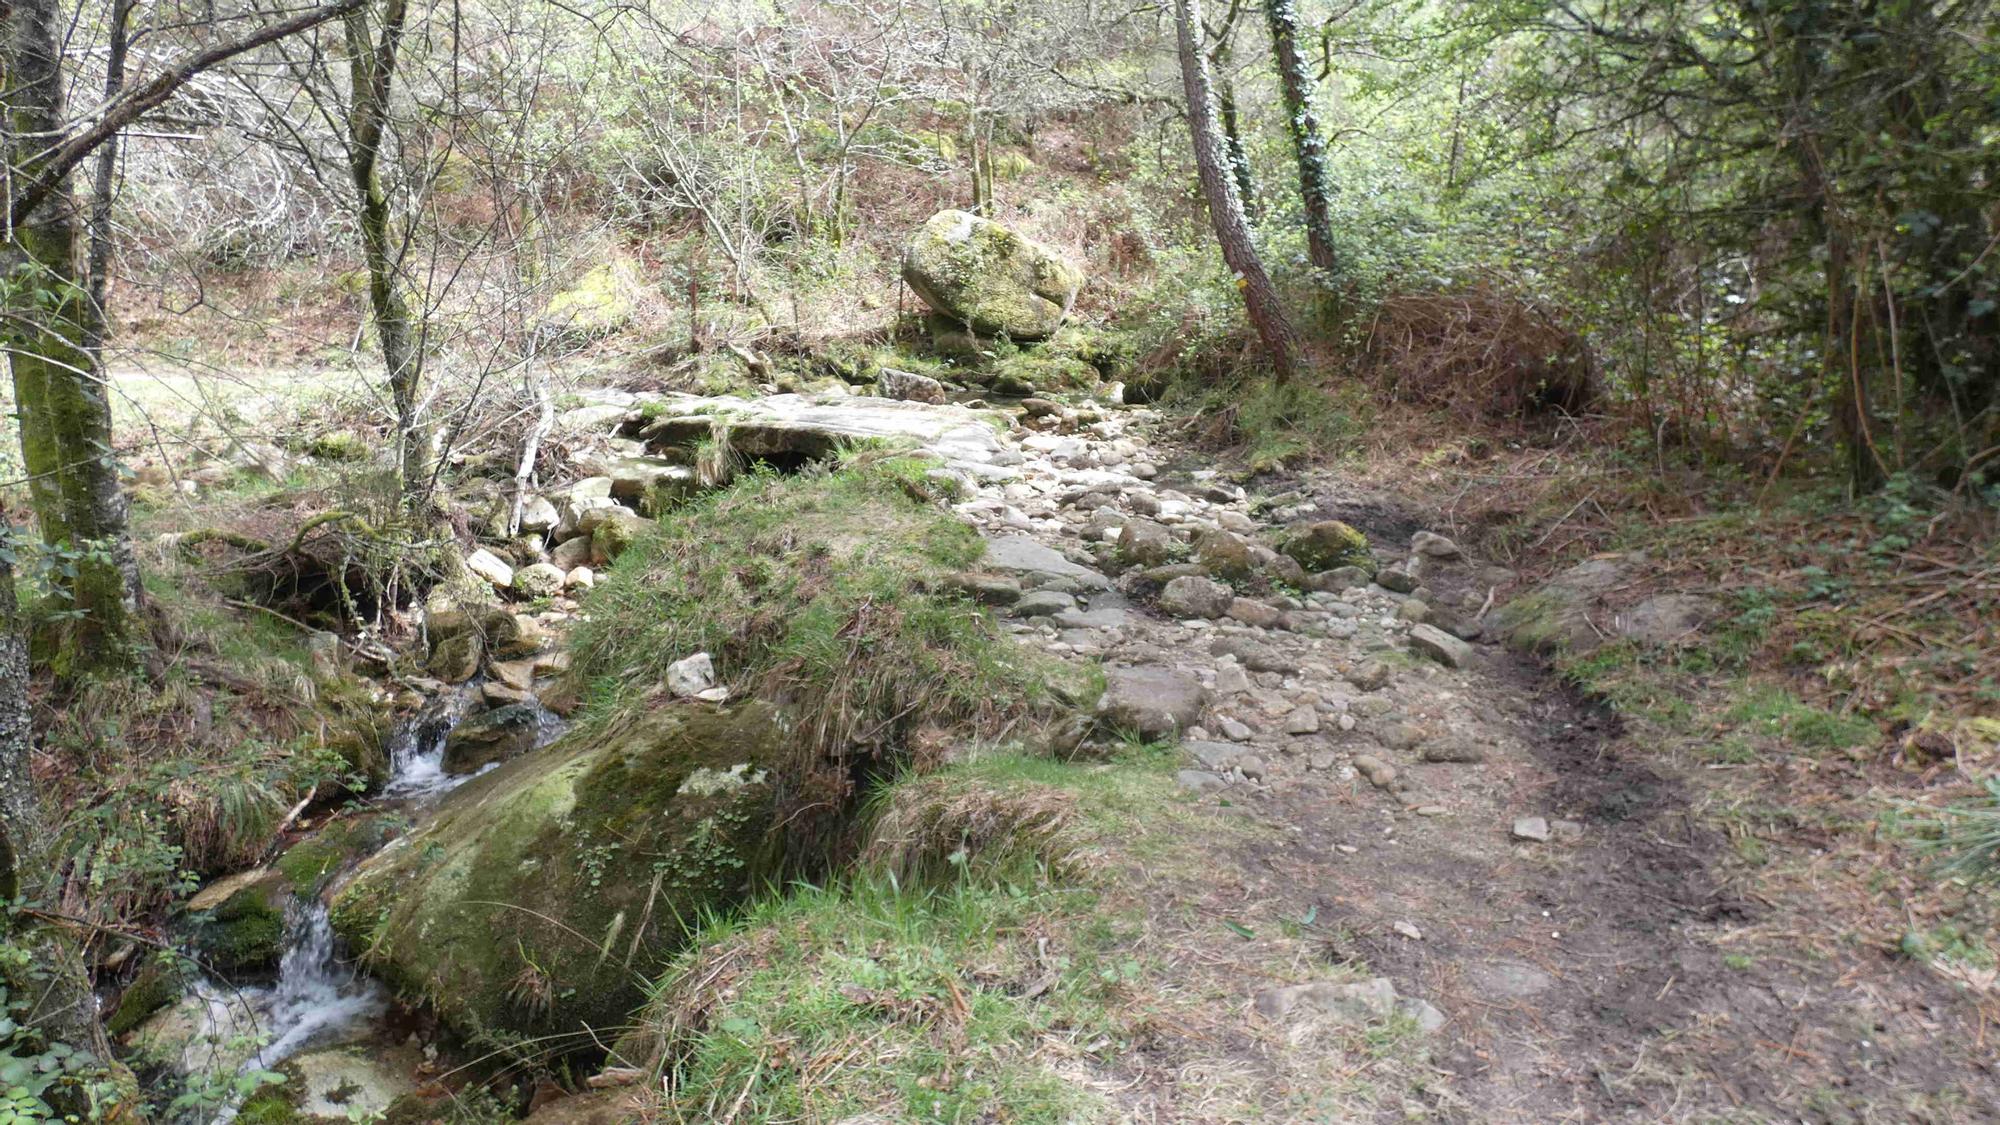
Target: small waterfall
<point>416,748</point>
<point>316,1001</point>
<point>316,996</point>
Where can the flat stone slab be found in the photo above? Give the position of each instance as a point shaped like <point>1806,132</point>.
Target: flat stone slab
<point>1018,554</point>
<point>816,425</point>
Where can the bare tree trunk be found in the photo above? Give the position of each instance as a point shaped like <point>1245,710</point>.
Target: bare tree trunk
<point>1225,210</point>
<point>60,393</point>
<point>1307,142</point>
<point>372,63</point>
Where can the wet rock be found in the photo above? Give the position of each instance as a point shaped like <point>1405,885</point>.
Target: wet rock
<point>1440,646</point>
<point>1149,700</point>
<point>456,917</point>
<point>1190,596</point>
<point>493,736</point>
<point>239,923</point>
<point>455,659</point>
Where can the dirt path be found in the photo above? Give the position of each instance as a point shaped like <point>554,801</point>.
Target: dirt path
<point>1449,817</point>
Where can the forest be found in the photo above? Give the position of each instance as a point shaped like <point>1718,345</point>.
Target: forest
<point>864,561</point>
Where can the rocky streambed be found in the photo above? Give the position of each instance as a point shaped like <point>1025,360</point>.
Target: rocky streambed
<point>520,882</point>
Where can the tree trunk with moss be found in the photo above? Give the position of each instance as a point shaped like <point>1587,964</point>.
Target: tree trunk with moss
<point>372,66</point>
<point>54,326</point>
<point>1218,189</point>
<point>1308,144</point>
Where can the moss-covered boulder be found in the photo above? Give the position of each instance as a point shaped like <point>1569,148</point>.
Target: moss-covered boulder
<point>543,894</point>
<point>239,924</point>
<point>158,983</point>
<point>989,278</point>
<point>1327,544</point>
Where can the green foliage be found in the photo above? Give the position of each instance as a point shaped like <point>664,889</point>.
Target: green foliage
<point>41,1079</point>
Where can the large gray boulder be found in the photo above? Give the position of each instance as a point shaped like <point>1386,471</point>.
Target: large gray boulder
<point>989,278</point>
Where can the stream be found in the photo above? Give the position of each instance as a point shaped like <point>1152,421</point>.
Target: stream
<point>320,999</point>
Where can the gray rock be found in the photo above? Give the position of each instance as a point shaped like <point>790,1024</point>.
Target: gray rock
<point>1224,555</point>
<point>1231,679</point>
<point>909,386</point>
<point>1396,578</point>
<point>1043,603</point>
<point>1201,781</point>
<point>1354,1004</point>
<point>1254,613</point>
<point>1018,554</point>
<point>1432,545</point>
<point>1338,579</point>
<point>538,516</point>
<point>1440,646</point>
<point>690,676</point>
<point>1190,596</point>
<point>1144,543</point>
<point>541,580</point>
<point>1302,720</point>
<point>1459,750</point>
<point>1667,620</point>
<point>1372,706</point>
<point>989,589</point>
<point>1252,767</point>
<point>1216,756</point>
<point>1372,675</point>
<point>1107,617</point>
<point>1400,736</point>
<point>1379,773</point>
<point>1150,701</point>
<point>1413,610</point>
<point>1531,828</point>
<point>1254,655</point>
<point>989,278</point>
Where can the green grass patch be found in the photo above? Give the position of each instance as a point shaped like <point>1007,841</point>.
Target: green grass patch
<point>1776,713</point>
<point>828,593</point>
<point>938,992</point>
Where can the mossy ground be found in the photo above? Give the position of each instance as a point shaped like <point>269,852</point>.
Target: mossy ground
<point>825,592</point>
